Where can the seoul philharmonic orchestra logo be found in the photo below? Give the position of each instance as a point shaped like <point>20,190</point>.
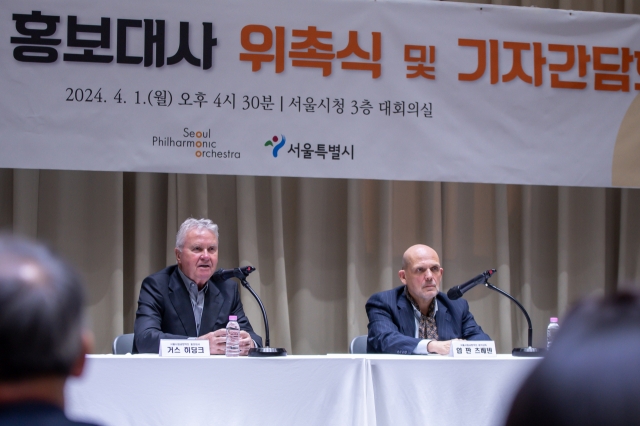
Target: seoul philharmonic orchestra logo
<point>275,144</point>
<point>200,135</point>
<point>199,142</point>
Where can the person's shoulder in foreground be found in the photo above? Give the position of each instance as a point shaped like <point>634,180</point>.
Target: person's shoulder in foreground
<point>416,318</point>
<point>183,301</point>
<point>591,374</point>
<point>35,414</point>
<point>43,340</point>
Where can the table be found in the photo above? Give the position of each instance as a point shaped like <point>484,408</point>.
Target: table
<point>446,391</point>
<point>340,389</point>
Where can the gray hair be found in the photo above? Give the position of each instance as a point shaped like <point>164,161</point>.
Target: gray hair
<point>41,312</point>
<point>192,223</point>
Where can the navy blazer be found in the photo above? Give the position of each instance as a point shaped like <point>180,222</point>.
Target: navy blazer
<point>392,323</point>
<point>165,312</point>
<point>35,413</point>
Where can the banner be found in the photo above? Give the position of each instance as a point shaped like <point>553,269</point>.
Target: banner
<point>430,91</point>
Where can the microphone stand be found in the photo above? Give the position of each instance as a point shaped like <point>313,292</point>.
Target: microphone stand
<point>529,351</point>
<point>266,351</point>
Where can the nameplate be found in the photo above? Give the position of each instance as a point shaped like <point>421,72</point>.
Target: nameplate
<point>473,349</point>
<point>184,348</point>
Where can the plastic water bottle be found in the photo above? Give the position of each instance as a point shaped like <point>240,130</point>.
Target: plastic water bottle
<point>552,330</point>
<point>233,337</point>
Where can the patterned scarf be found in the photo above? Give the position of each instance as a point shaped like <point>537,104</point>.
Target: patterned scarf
<point>427,328</point>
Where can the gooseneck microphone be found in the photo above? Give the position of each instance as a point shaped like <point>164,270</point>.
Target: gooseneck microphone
<point>225,274</point>
<point>241,274</point>
<point>457,291</point>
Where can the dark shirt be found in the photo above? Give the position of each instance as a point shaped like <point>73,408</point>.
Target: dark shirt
<point>35,414</point>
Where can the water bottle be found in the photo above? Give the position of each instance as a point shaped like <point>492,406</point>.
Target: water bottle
<point>233,337</point>
<point>552,330</point>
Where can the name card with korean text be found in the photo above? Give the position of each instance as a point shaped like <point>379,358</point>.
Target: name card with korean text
<point>473,349</point>
<point>184,348</point>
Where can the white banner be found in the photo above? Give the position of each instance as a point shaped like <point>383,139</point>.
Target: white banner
<point>434,91</point>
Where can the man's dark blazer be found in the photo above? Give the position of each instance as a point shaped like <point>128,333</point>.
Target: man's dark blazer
<point>34,413</point>
<point>392,323</point>
<point>165,312</point>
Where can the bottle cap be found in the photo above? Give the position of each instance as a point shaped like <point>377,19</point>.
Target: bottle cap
<point>235,318</point>
<point>554,319</point>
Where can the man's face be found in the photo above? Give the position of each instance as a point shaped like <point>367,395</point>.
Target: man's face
<point>199,256</point>
<point>422,274</point>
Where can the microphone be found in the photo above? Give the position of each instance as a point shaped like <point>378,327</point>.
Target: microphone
<point>225,274</point>
<point>241,274</point>
<point>457,291</point>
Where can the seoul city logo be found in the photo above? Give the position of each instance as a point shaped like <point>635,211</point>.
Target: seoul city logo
<point>275,144</point>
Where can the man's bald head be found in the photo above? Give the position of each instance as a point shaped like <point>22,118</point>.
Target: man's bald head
<point>415,252</point>
<point>421,273</point>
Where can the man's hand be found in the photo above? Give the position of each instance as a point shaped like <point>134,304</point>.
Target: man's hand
<point>440,347</point>
<point>246,343</point>
<point>217,341</point>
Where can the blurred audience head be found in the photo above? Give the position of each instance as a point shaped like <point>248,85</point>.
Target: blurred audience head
<point>591,374</point>
<point>41,314</point>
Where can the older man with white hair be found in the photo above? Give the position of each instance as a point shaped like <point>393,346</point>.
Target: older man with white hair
<point>182,301</point>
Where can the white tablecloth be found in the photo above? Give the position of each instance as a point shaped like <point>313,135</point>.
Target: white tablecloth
<point>376,390</point>
<point>445,391</point>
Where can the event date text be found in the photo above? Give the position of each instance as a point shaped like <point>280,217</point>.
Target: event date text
<point>300,104</point>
